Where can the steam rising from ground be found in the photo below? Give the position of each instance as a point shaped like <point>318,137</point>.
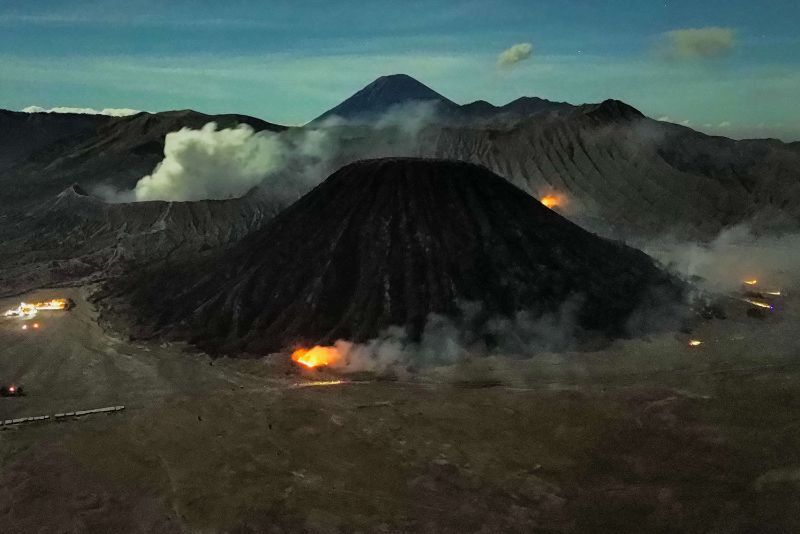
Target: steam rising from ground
<point>215,164</point>
<point>471,338</point>
<point>472,344</point>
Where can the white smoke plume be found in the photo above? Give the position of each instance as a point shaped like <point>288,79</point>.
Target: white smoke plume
<point>515,54</point>
<point>113,112</point>
<point>216,164</point>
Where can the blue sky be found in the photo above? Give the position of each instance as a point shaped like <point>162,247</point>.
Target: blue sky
<point>288,61</point>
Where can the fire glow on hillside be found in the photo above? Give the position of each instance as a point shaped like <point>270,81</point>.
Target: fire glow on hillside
<point>29,311</point>
<point>551,201</point>
<point>317,356</point>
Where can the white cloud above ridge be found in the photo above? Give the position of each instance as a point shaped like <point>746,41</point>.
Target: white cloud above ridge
<point>112,112</point>
<point>699,43</point>
<point>515,54</point>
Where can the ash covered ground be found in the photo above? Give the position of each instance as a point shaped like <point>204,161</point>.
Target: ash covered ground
<point>649,434</point>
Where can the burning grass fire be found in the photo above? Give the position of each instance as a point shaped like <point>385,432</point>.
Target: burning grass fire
<point>759,304</point>
<point>321,383</point>
<point>29,311</point>
<point>551,201</point>
<point>317,357</point>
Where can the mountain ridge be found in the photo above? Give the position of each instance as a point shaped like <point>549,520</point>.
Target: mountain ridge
<point>385,243</point>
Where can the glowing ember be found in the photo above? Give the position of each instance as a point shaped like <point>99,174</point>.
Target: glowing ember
<point>53,304</point>
<point>773,293</point>
<point>751,282</point>
<point>320,383</point>
<point>36,325</point>
<point>550,201</point>
<point>758,303</point>
<point>29,311</point>
<point>12,389</point>
<point>23,311</point>
<point>695,342</point>
<point>317,356</point>
<point>24,327</point>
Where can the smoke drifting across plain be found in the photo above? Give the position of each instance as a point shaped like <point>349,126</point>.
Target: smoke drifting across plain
<point>736,254</point>
<point>472,338</point>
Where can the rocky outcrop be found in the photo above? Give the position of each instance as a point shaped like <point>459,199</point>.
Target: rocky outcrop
<point>76,238</point>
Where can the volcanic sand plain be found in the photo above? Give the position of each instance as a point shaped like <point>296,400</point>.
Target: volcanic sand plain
<point>647,435</point>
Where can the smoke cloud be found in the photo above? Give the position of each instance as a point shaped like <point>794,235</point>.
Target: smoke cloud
<point>515,54</point>
<point>113,112</point>
<point>699,43</point>
<point>447,342</point>
<point>736,254</point>
<point>217,164</point>
<point>210,163</point>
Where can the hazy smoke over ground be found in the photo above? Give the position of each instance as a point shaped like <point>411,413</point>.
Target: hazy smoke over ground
<point>515,54</point>
<point>736,254</point>
<point>113,112</point>
<point>471,337</point>
<point>217,164</point>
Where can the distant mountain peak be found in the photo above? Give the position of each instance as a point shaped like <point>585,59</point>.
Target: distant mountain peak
<point>385,93</point>
<point>612,109</point>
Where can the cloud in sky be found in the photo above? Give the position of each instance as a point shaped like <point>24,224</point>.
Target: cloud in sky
<point>515,54</point>
<point>114,112</point>
<point>699,43</point>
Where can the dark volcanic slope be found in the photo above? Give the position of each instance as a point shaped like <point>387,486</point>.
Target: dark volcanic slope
<point>22,134</point>
<point>75,238</point>
<point>620,173</point>
<point>387,242</point>
<point>387,92</point>
<point>629,176</point>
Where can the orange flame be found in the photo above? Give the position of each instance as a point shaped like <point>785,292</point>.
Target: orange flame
<point>759,303</point>
<point>317,356</point>
<point>751,282</point>
<point>29,311</point>
<point>550,201</point>
<point>52,304</point>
